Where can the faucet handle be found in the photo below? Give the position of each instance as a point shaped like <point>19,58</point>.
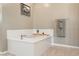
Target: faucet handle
<point>43,33</point>
<point>37,30</point>
<point>21,36</point>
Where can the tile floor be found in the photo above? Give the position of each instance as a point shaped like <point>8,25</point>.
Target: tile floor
<point>62,51</point>
<point>56,51</point>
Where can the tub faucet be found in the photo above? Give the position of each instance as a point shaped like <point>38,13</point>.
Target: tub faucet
<point>22,36</point>
<point>37,31</point>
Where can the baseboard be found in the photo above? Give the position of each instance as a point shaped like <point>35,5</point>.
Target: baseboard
<point>3,52</point>
<point>62,45</point>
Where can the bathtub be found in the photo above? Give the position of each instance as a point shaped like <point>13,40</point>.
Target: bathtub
<point>30,45</point>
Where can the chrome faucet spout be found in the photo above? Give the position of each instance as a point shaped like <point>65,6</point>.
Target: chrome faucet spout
<point>22,36</point>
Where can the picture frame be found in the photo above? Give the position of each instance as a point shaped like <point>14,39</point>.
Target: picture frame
<point>25,10</point>
<point>60,27</point>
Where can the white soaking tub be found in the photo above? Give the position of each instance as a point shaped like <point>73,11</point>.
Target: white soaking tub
<point>32,45</point>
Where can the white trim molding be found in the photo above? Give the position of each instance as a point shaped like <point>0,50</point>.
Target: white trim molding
<point>62,45</point>
<point>3,52</point>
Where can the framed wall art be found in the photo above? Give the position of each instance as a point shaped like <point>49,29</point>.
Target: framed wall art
<point>60,27</point>
<point>25,9</point>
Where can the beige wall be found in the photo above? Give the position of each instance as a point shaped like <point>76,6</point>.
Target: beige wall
<point>12,19</point>
<point>42,16</point>
<point>72,29</point>
<point>45,17</point>
<point>0,27</point>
